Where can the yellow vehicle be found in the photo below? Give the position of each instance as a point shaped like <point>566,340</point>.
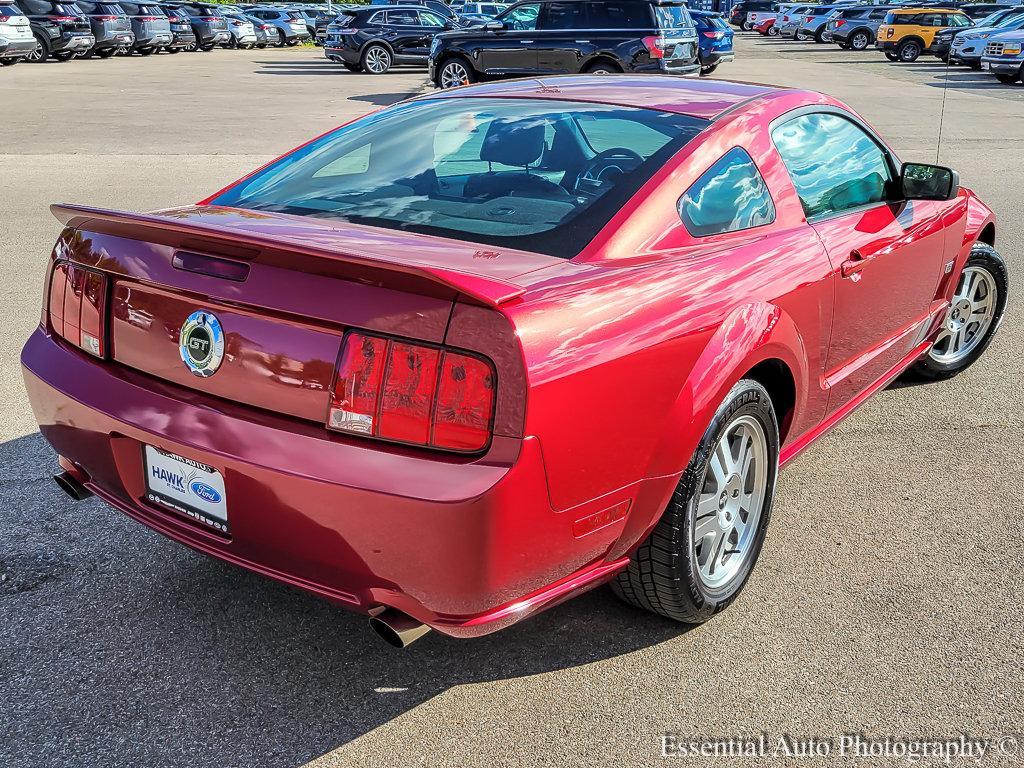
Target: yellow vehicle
<point>906,33</point>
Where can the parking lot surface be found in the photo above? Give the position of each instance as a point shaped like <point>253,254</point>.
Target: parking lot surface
<point>888,599</point>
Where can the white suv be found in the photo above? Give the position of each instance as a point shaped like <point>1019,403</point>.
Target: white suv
<point>16,40</point>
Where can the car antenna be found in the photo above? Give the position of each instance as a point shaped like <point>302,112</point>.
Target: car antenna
<point>942,108</point>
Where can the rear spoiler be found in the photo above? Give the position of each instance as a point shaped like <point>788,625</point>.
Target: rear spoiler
<point>241,243</point>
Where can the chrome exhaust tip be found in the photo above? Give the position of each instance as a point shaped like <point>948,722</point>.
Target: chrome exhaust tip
<point>67,483</point>
<point>397,629</point>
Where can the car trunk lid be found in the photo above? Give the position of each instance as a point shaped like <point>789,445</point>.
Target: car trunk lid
<point>284,288</point>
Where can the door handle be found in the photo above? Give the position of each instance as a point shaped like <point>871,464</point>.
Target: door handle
<point>853,265</point>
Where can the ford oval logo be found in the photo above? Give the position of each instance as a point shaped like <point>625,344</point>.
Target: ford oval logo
<point>205,492</point>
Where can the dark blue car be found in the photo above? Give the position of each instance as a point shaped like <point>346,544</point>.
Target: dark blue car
<point>715,37</point>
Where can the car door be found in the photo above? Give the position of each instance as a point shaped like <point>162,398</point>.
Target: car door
<point>887,255</point>
<point>403,32</point>
<point>511,50</point>
<point>430,24</point>
<point>563,40</point>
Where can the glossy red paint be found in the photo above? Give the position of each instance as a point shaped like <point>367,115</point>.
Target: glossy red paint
<point>609,366</point>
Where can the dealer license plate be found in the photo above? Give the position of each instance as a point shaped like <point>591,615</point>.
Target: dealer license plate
<point>186,486</point>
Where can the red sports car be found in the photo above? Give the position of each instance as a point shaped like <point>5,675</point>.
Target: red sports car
<point>471,355</point>
<point>767,27</point>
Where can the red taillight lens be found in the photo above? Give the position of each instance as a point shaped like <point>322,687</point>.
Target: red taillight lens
<point>840,23</point>
<point>5,18</point>
<point>78,306</point>
<point>149,18</point>
<point>412,393</point>
<point>106,18</point>
<point>714,35</point>
<point>808,19</point>
<point>465,403</point>
<point>654,47</point>
<point>62,18</point>
<point>209,18</point>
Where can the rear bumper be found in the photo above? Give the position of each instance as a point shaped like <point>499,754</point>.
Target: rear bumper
<point>158,38</point>
<point>465,547</point>
<point>75,43</point>
<point>115,40</point>
<point>11,48</point>
<point>343,55</point>
<point>716,57</point>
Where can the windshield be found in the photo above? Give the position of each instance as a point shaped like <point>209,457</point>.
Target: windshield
<point>539,175</point>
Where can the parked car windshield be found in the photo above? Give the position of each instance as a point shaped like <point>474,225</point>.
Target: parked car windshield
<point>539,175</point>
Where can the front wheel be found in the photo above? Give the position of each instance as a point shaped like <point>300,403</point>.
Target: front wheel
<point>972,318</point>
<point>708,69</point>
<point>701,552</point>
<point>455,72</point>
<point>1008,79</point>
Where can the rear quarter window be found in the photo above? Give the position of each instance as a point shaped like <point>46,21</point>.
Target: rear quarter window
<point>672,16</point>
<point>616,14</point>
<point>728,197</point>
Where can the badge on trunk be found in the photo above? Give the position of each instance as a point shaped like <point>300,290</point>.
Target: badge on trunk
<point>201,343</point>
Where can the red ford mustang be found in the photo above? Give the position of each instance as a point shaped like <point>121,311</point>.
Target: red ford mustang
<point>476,353</point>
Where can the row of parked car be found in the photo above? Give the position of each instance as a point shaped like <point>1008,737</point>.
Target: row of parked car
<point>984,36</point>
<point>39,30</point>
<point>528,38</point>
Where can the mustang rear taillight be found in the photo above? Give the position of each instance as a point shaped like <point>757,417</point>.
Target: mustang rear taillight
<point>412,393</point>
<point>77,307</point>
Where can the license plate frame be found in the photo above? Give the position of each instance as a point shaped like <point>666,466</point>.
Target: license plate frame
<point>186,486</point>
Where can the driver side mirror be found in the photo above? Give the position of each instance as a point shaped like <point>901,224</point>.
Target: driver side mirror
<point>920,181</point>
<point>494,26</point>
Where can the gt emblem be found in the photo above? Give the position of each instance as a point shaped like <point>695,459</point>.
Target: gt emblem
<point>201,343</point>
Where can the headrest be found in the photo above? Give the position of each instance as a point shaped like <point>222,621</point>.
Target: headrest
<point>513,142</point>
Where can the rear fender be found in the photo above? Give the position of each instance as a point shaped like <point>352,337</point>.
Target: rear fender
<point>751,334</point>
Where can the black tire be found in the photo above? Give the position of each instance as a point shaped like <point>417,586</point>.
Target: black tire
<point>292,43</point>
<point>982,257</point>
<point>352,67</point>
<point>454,71</point>
<point>844,46</point>
<point>375,52</point>
<point>64,56</point>
<point>172,50</point>
<point>891,56</point>
<point>773,31</point>
<point>10,61</point>
<point>602,68</point>
<point>106,53</point>
<point>860,40</point>
<point>1008,79</point>
<point>146,51</point>
<point>745,26</point>
<point>662,575</point>
<point>280,41</point>
<point>908,51</point>
<point>708,69</point>
<point>206,47</point>
<point>819,36</point>
<point>41,53</point>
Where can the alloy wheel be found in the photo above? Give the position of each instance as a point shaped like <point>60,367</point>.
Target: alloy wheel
<point>453,75</point>
<point>730,503</point>
<point>377,60</point>
<point>968,318</point>
<point>859,41</point>
<point>36,54</point>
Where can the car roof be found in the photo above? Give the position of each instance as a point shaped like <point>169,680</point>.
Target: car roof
<point>706,99</point>
<point>928,8</point>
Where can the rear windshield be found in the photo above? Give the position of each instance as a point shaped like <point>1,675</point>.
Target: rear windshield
<point>672,16</point>
<point>538,175</point>
<point>9,10</point>
<point>44,8</point>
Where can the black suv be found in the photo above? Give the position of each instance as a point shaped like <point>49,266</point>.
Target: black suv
<point>60,29</point>
<point>375,38</point>
<point>569,37</point>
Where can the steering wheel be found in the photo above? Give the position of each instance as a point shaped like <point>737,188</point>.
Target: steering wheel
<point>605,167</point>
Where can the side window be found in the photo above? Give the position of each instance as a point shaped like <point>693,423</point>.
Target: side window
<point>563,16</point>
<point>616,14</point>
<point>377,18</point>
<point>428,19</point>
<point>403,18</point>
<point>37,7</point>
<point>959,20</point>
<point>878,14</point>
<point>729,196</point>
<point>523,17</point>
<point>932,20</point>
<point>834,164</point>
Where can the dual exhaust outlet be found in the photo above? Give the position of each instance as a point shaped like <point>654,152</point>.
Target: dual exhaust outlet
<point>392,626</point>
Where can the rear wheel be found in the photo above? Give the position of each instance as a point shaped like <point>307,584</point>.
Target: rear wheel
<point>10,62</point>
<point>773,31</point>
<point>106,53</point>
<point>972,318</point>
<point>602,68</point>
<point>172,50</point>
<point>745,26</point>
<point>701,552</point>
<point>860,40</point>
<point>206,47</point>
<point>908,51</point>
<point>147,51</point>
<point>40,53</point>
<point>376,59</point>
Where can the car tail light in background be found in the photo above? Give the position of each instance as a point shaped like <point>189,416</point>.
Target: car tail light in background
<point>77,307</point>
<point>62,19</point>
<point>106,18</point>
<point>149,18</point>
<point>808,19</point>
<point>5,19</point>
<point>655,46</point>
<point>839,23</point>
<point>209,18</point>
<point>714,35</point>
<point>412,393</point>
